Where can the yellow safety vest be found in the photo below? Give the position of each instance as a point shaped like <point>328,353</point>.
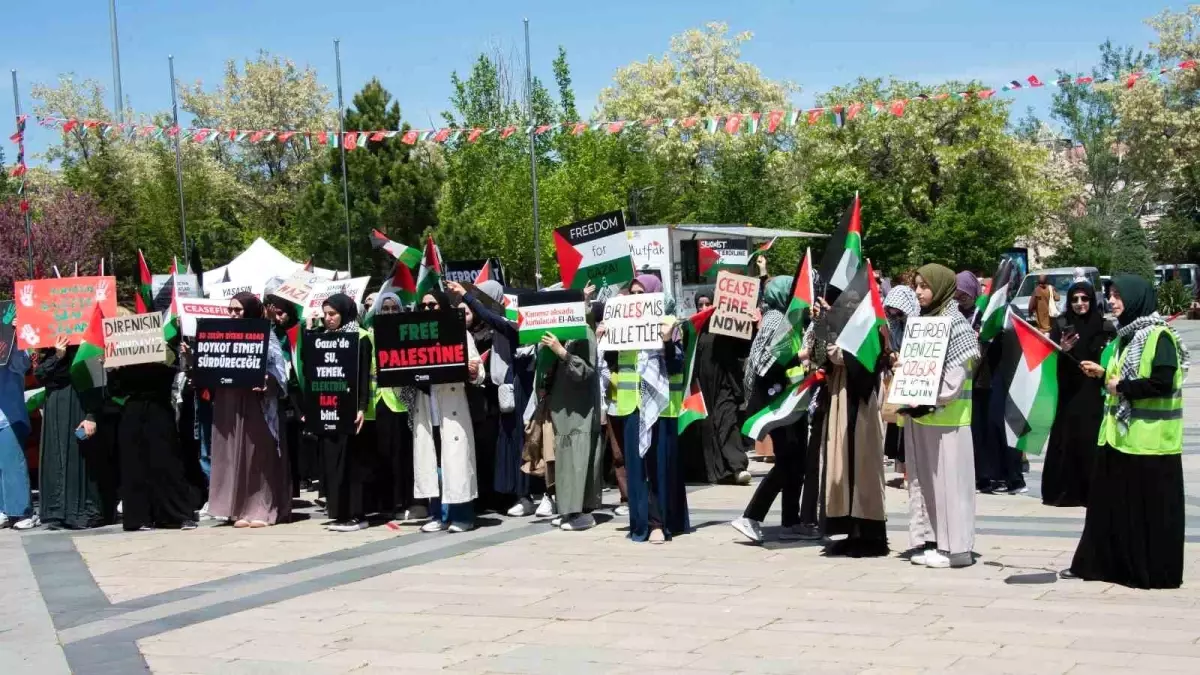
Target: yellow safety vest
<point>627,382</point>
<point>388,395</point>
<point>956,413</point>
<point>1156,424</point>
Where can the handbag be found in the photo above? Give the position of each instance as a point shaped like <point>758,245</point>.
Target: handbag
<point>507,398</point>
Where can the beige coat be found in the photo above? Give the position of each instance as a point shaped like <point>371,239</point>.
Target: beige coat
<point>458,441</point>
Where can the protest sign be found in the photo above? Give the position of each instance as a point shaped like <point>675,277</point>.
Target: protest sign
<point>129,340</point>
<point>47,308</point>
<point>421,348</point>
<point>227,289</point>
<point>295,289</point>
<point>633,322</point>
<point>160,286</point>
<point>594,251</point>
<point>466,271</point>
<point>323,290</point>
<point>561,313</point>
<point>918,375</point>
<point>231,352</point>
<point>722,255</point>
<point>191,309</point>
<point>737,298</point>
<point>330,382</point>
<point>8,333</point>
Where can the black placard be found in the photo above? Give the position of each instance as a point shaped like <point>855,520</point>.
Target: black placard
<point>8,334</point>
<point>421,348</point>
<point>466,271</point>
<point>231,353</point>
<point>330,382</point>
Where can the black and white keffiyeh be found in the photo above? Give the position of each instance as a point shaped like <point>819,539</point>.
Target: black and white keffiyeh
<point>1140,329</point>
<point>964,344</point>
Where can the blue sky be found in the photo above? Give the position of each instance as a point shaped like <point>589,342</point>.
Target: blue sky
<point>413,47</point>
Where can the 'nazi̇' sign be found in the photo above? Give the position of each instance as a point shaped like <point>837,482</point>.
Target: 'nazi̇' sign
<point>231,353</point>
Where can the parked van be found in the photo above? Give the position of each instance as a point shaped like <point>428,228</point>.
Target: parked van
<point>1187,273</point>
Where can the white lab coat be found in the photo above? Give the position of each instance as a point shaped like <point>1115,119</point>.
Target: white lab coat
<point>458,441</point>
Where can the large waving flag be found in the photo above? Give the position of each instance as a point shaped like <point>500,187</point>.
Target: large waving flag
<point>1029,369</point>
<point>843,256</point>
<point>694,407</point>
<point>430,275</point>
<point>991,320</point>
<point>802,292</point>
<point>860,336</point>
<point>401,283</point>
<point>784,409</point>
<point>144,299</point>
<point>87,369</point>
<point>406,254</point>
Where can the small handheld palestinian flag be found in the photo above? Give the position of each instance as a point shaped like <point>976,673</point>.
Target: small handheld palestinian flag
<point>401,283</point>
<point>485,274</point>
<point>510,307</point>
<point>860,336</point>
<point>992,318</point>
<point>430,275</point>
<point>802,292</point>
<point>843,256</point>
<point>1029,371</point>
<point>752,263</point>
<point>170,324</point>
<point>694,407</point>
<point>784,409</point>
<point>34,399</point>
<point>87,369</point>
<point>294,335</point>
<point>144,299</point>
<point>406,254</point>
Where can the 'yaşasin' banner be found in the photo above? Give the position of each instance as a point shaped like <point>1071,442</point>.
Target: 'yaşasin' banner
<point>227,289</point>
<point>192,309</point>
<point>559,312</point>
<point>330,382</point>
<point>737,298</point>
<point>594,251</point>
<point>8,332</point>
<point>421,348</point>
<point>47,308</point>
<point>633,322</point>
<point>467,271</point>
<point>918,374</point>
<point>720,255</point>
<point>188,286</point>
<point>322,290</point>
<point>129,340</point>
<point>231,353</point>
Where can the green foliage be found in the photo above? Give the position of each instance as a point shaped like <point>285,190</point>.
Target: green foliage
<point>1173,297</point>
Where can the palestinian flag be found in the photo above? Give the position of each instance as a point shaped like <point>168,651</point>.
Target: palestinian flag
<point>401,283</point>
<point>993,312</point>
<point>430,275</point>
<point>1030,371</point>
<point>294,335</point>
<point>170,325</point>
<point>510,307</point>
<point>561,313</point>
<point>34,399</point>
<point>406,254</point>
<point>784,409</point>
<point>860,335</point>
<point>694,407</point>
<point>485,274</point>
<point>802,292</point>
<point>144,299</point>
<point>87,370</point>
<point>308,266</point>
<point>751,265</point>
<point>843,256</point>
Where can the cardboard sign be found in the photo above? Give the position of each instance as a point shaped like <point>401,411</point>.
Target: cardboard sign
<point>191,309</point>
<point>465,271</point>
<point>718,255</point>
<point>594,251</point>
<point>161,285</point>
<point>562,313</point>
<point>737,298</point>
<point>421,348</point>
<point>918,375</point>
<point>295,289</point>
<point>633,323</point>
<point>47,308</point>
<point>134,339</point>
<point>231,353</point>
<point>8,333</point>
<point>322,290</point>
<point>227,289</point>
<point>330,382</point>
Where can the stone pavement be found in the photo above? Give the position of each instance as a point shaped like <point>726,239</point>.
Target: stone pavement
<point>516,596</point>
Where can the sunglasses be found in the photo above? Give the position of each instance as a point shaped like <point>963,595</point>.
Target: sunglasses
<point>236,310</point>
<point>428,305</point>
<point>1080,300</point>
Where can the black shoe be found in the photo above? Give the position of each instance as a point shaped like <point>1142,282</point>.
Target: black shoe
<point>188,525</point>
<point>845,547</point>
<point>1067,574</point>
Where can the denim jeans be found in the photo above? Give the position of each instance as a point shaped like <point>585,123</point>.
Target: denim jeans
<point>204,418</point>
<point>14,473</point>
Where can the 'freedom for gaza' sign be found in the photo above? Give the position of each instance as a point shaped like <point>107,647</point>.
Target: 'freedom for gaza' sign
<point>737,298</point>
<point>594,251</point>
<point>918,375</point>
<point>633,322</point>
<point>231,353</point>
<point>417,348</point>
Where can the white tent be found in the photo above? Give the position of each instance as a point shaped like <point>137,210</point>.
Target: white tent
<point>257,264</point>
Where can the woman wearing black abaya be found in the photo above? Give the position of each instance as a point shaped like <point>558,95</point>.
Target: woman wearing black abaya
<point>1082,333</point>
<point>1134,531</point>
<point>719,436</point>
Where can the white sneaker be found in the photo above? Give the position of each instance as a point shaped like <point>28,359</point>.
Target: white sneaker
<point>120,508</point>
<point>546,508</point>
<point>523,507</point>
<point>28,523</point>
<point>935,560</point>
<point>918,558</point>
<point>743,478</point>
<point>621,510</point>
<point>582,521</point>
<point>557,522</point>
<point>353,525</point>
<point>4,521</point>
<point>751,529</point>
<point>204,514</point>
<point>459,528</point>
<point>413,514</point>
<point>434,526</point>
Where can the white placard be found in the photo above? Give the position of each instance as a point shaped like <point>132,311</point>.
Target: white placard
<point>187,286</point>
<point>191,309</point>
<point>355,288</point>
<point>918,374</point>
<point>295,289</point>
<point>130,340</point>
<point>651,252</point>
<point>633,323</point>
<point>227,289</point>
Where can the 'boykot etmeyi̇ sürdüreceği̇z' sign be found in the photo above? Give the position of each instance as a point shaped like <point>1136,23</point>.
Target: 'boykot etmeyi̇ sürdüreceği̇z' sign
<point>594,251</point>
<point>231,352</point>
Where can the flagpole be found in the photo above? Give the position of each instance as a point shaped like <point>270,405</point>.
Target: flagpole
<point>337,54</point>
<point>28,219</point>
<point>537,240</point>
<point>116,61</point>
<point>178,159</point>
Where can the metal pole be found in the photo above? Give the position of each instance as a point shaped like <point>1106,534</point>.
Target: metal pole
<point>116,59</point>
<point>178,161</point>
<point>537,240</point>
<point>28,218</point>
<point>337,52</point>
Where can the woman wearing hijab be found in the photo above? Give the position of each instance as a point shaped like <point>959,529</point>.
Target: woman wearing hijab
<point>485,413</point>
<point>1133,534</point>
<point>249,483</point>
<point>444,441</point>
<point>301,454</point>
<point>765,378</point>
<point>346,456</point>
<point>901,303</point>
<point>937,441</point>
<point>646,415</point>
<point>719,435</point>
<point>393,480</point>
<point>1082,333</point>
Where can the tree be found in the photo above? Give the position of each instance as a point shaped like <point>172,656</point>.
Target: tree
<point>68,228</point>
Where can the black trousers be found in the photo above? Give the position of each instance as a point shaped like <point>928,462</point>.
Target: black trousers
<point>785,478</point>
<point>343,477</point>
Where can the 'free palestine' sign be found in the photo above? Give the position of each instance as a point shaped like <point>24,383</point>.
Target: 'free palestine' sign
<point>421,348</point>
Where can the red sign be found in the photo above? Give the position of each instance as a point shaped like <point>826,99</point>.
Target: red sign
<point>48,308</point>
